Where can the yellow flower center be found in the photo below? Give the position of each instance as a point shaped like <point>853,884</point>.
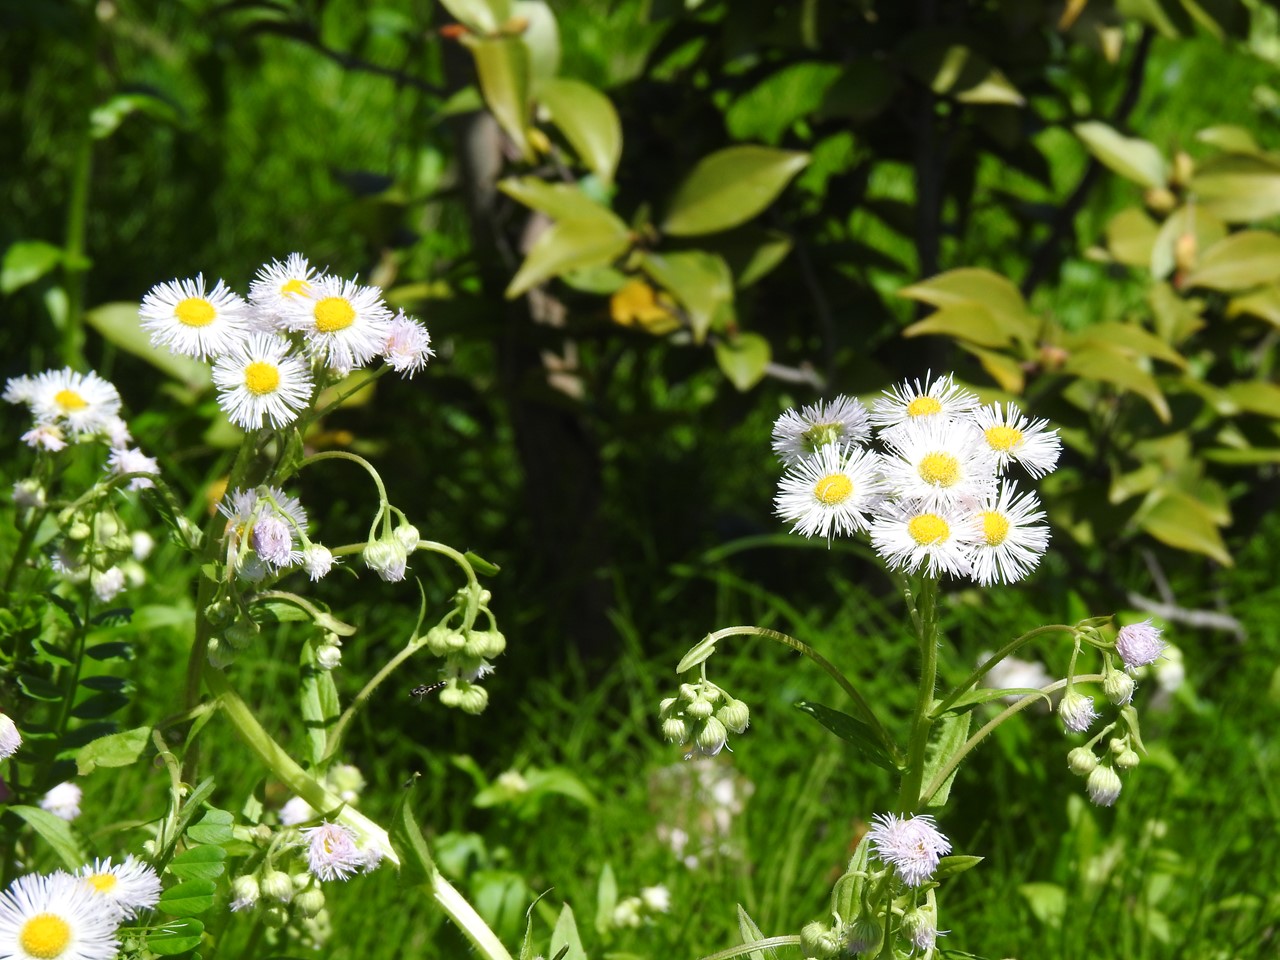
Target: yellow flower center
<point>832,489</point>
<point>45,935</point>
<point>290,287</point>
<point>69,401</point>
<point>334,314</point>
<point>1003,438</point>
<point>103,882</point>
<point>261,377</point>
<point>923,406</point>
<point>939,469</point>
<point>195,312</point>
<point>928,529</point>
<point>995,527</point>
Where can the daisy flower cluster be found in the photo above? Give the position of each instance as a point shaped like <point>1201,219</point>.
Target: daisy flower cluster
<point>298,328</point>
<point>934,496</point>
<point>75,916</point>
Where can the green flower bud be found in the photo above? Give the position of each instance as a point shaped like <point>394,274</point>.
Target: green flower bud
<point>220,654</point>
<point>387,558</point>
<point>108,525</point>
<point>219,613</point>
<point>920,928</point>
<point>485,644</point>
<point>711,737</point>
<point>78,530</point>
<point>1103,786</point>
<point>407,535</point>
<point>817,939</point>
<point>863,937</point>
<point>710,693</point>
<point>735,715</point>
<point>245,891</point>
<point>664,708</point>
<point>302,880</point>
<point>242,633</point>
<point>309,902</point>
<point>1128,760</point>
<point>1118,686</point>
<point>675,730</point>
<point>1081,761</point>
<point>688,692</point>
<point>275,916</point>
<point>328,656</point>
<point>277,885</point>
<point>1118,745</point>
<point>700,709</point>
<point>464,695</point>
<point>443,640</point>
<point>121,543</point>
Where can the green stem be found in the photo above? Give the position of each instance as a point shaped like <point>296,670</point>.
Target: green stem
<point>994,659</point>
<point>343,455</point>
<point>335,734</point>
<point>342,397</point>
<point>25,539</point>
<point>472,925</point>
<point>77,662</point>
<point>909,793</point>
<point>940,777</point>
<point>73,253</point>
<point>458,558</point>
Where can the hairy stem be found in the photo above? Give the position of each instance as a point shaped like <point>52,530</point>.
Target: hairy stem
<point>909,793</point>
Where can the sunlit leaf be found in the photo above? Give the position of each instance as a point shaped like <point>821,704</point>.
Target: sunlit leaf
<point>1111,366</point>
<point>588,121</point>
<point>26,262</point>
<point>502,64</point>
<point>571,245</point>
<point>1181,521</point>
<point>730,187</point>
<point>118,323</point>
<point>115,750</point>
<point>699,280</point>
<point>1131,157</point>
<point>484,16</point>
<point>1239,188</point>
<point>54,831</point>
<point>1241,261</point>
<point>743,359</point>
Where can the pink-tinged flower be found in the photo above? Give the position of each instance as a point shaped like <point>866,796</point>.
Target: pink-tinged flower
<point>911,845</point>
<point>1139,644</point>
<point>333,851</point>
<point>1076,711</point>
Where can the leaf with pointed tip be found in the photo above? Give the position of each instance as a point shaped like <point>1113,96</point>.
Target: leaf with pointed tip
<point>571,245</point>
<point>730,187</point>
<point>588,121</point>
<point>743,359</point>
<point>851,730</point>
<point>1241,261</point>
<point>1133,158</point>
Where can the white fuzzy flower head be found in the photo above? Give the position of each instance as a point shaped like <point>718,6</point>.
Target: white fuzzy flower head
<point>278,285</point>
<point>182,316</point>
<point>333,852</point>
<point>408,346</point>
<point>911,845</point>
<point>939,462</point>
<point>260,381</point>
<point>387,558</point>
<point>55,917</point>
<point>116,432</point>
<point>1014,438</point>
<point>1076,711</point>
<point>63,801</point>
<point>19,390</point>
<point>107,584</point>
<point>10,738</point>
<point>916,402</point>
<point>122,461</point>
<point>912,535</point>
<point>1103,785</point>
<point>921,929</point>
<point>1009,535</point>
<point>345,325</point>
<point>69,402</point>
<point>128,888</point>
<point>830,492</point>
<point>1139,644</point>
<point>318,561</point>
<point>841,421</point>
<point>45,436</point>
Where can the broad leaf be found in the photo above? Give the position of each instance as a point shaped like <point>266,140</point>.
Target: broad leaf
<point>743,359</point>
<point>770,108</point>
<point>565,941</point>
<point>1263,304</point>
<point>483,16</point>
<point>961,321</point>
<point>26,262</point>
<point>571,245</point>
<point>1128,338</point>
<point>1241,261</point>
<point>204,862</point>
<point>1111,366</point>
<point>1255,396</point>
<point>730,187</point>
<point>984,288</point>
<point>56,832</point>
<point>947,738</point>
<point>588,121</point>
<point>1180,520</point>
<point>1203,228</point>
<point>116,750</point>
<point>541,38</point>
<point>215,827</point>
<point>1239,189</point>
<point>699,280</point>
<point>1131,236</point>
<point>175,937</point>
<point>560,201</point>
<point>118,324</point>
<point>1132,158</point>
<point>952,69</point>
<point>851,730</point>
<point>187,899</point>
<point>1047,901</point>
<point>502,64</point>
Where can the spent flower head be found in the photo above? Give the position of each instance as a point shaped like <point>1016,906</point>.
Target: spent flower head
<point>841,421</point>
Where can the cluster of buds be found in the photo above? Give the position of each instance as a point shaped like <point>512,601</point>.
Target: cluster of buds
<point>1122,754</point>
<point>388,554</point>
<point>467,650</point>
<point>701,717</point>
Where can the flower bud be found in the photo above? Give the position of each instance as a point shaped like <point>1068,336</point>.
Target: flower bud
<point>919,927</point>
<point>485,644</point>
<point>443,640</point>
<point>275,916</point>
<point>688,692</point>
<point>301,880</point>
<point>1128,760</point>
<point>328,656</point>
<point>700,709</point>
<point>1103,786</point>
<point>675,730</point>
<point>309,902</point>
<point>1118,686</point>
<point>219,613</point>
<point>386,558</point>
<point>276,885</point>
<point>863,936</point>
<point>242,633</point>
<point>220,654</point>
<point>318,561</point>
<point>107,584</point>
<point>711,737</point>
<point>817,939</point>
<point>244,892</point>
<point>735,715</point>
<point>107,525</point>
<point>464,695</point>
<point>407,535</point>
<point>346,781</point>
<point>1081,761</point>
<point>664,708</point>
<point>1118,745</point>
<point>78,530</point>
<point>28,494</point>
<point>1076,711</point>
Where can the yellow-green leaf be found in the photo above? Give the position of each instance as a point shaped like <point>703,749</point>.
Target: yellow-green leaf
<point>951,69</point>
<point>1002,368</point>
<point>26,262</point>
<point>701,281</point>
<point>1179,520</point>
<point>1239,188</point>
<point>1131,235</point>
<point>571,245</point>
<point>1135,482</point>
<point>1256,396</point>
<point>588,121</point>
<point>730,187</point>
<point>1128,338</point>
<point>1132,158</point>
<point>743,359</point>
<point>1229,139</point>
<point>502,64</point>
<point>1206,229</point>
<point>541,37</point>
<point>1264,304</point>
<point>985,288</point>
<point>963,321</point>
<point>1114,367</point>
<point>1243,260</point>
<point>483,16</point>
<point>118,323</point>
<point>1176,319</point>
<point>560,201</point>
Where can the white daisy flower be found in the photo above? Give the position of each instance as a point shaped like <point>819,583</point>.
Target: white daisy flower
<point>910,535</point>
<point>278,284</point>
<point>19,390</point>
<point>939,462</point>
<point>180,315</point>
<point>63,801</point>
<point>10,738</point>
<point>408,346</point>
<point>911,845</point>
<point>840,421</point>
<point>262,530</point>
<point>122,461</point>
<point>1139,644</point>
<point>345,325</point>
<point>259,380</point>
<point>116,432</point>
<point>55,917</point>
<point>1076,711</point>
<point>1012,437</point>
<point>830,492</point>
<point>916,402</point>
<point>333,852</point>
<point>80,403</point>
<point>1009,536</point>
<point>129,887</point>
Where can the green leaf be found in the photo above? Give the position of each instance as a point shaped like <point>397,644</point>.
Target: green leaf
<point>701,281</point>
<point>1131,236</point>
<point>1240,261</point>
<point>215,827</point>
<point>1128,338</point>
<point>851,730</point>
<point>1003,369</point>
<point>1206,229</point>
<point>39,688</point>
<point>483,16</point>
<point>112,650</point>
<point>1132,158</point>
<point>1181,521</point>
<point>56,832</point>
<point>565,935</point>
<point>503,66</point>
<point>961,321</point>
<point>571,245</point>
<point>205,862</point>
<point>1229,139</point>
<point>560,201</point>
<point>318,699</point>
<point>1256,396</point>
<point>416,864</point>
<point>743,359</point>
<point>480,565</point>
<point>1176,319</point>
<point>187,899</point>
<point>98,706</point>
<point>1263,304</point>
<point>953,865</point>
<point>1239,189</point>
<point>752,252</point>
<point>751,933</point>
<point>980,287</point>
<point>1110,366</point>
<point>175,937</point>
<point>588,121</point>
<point>26,262</point>
<point>954,70</point>
<point>541,37</point>
<point>115,750</point>
<point>948,737</point>
<point>105,119</point>
<point>1048,902</point>
<point>700,651</point>
<point>606,899</point>
<point>861,92</point>
<point>118,324</point>
<point>730,187</point>
<point>771,107</point>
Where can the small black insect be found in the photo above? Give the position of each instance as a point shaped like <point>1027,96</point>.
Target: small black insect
<point>422,690</point>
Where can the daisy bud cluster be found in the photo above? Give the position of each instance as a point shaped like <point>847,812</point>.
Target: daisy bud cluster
<point>922,474</point>
<point>298,329</point>
<point>1105,757</point>
<point>701,717</point>
<point>467,649</point>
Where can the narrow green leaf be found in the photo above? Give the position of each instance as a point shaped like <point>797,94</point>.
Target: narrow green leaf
<point>699,652</point>
<point>187,899</point>
<point>204,862</point>
<point>560,201</point>
<point>105,119</point>
<point>118,324</point>
<point>743,359</point>
<point>416,864</point>
<point>571,245</point>
<point>502,64</point>
<point>112,650</point>
<point>948,737</point>
<point>751,933</point>
<point>318,699</point>
<point>851,730</point>
<point>175,937</point>
<point>215,827</point>
<point>606,899</point>
<point>588,121</point>
<point>26,262</point>
<point>116,750</point>
<point>480,565</point>
<point>98,706</point>
<point>701,281</point>
<point>565,941</point>
<point>751,252</point>
<point>950,866</point>
<point>56,832</point>
<point>730,187</point>
<point>39,688</point>
<point>1263,304</point>
<point>1256,396</point>
<point>952,69</point>
<point>1132,158</point>
<point>1240,261</point>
